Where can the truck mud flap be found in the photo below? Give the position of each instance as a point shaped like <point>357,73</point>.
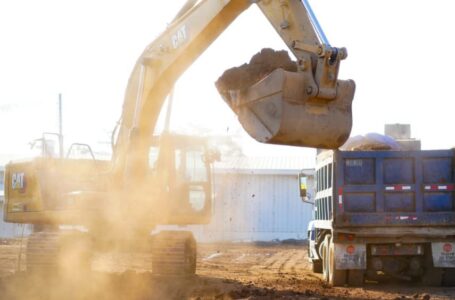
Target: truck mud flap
<point>279,110</point>
<point>350,256</point>
<point>443,254</point>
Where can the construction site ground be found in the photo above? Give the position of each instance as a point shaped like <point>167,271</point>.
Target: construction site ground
<point>225,271</point>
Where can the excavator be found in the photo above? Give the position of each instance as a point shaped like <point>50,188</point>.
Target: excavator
<point>153,180</point>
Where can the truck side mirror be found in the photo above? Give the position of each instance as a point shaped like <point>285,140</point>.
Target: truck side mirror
<point>303,188</point>
<point>302,185</point>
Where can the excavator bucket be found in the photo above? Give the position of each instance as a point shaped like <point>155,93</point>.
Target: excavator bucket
<point>278,110</point>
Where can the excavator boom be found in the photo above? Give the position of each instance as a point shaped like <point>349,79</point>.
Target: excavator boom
<point>308,107</point>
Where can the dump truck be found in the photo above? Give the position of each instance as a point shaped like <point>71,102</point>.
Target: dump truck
<point>382,215</point>
<point>148,182</point>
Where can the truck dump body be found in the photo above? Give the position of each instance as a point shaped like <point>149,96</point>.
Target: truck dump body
<point>392,188</point>
<point>384,214</point>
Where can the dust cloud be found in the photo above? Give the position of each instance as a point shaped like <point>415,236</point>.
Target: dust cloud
<point>123,272</point>
<point>104,250</point>
<point>238,271</point>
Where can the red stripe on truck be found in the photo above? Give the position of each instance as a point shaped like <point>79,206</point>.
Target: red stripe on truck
<point>398,187</point>
<point>440,187</point>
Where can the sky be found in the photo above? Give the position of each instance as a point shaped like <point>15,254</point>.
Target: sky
<point>399,56</point>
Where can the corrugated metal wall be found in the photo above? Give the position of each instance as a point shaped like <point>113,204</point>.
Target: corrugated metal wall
<point>256,207</point>
<point>8,230</point>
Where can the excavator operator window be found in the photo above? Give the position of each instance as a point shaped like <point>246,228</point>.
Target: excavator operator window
<point>178,160</point>
<point>197,176</point>
<point>153,156</point>
<point>197,197</point>
<point>181,164</point>
<point>196,170</point>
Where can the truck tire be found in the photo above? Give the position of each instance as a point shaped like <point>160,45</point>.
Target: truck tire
<point>316,266</point>
<point>336,277</point>
<point>325,258</point>
<point>356,277</point>
<point>432,277</point>
<point>449,277</point>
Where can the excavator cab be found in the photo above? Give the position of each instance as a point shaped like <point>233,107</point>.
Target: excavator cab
<point>181,165</point>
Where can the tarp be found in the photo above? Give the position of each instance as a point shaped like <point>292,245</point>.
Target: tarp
<point>370,141</point>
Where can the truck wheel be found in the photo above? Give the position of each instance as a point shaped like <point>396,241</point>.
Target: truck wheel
<point>356,277</point>
<point>336,277</point>
<point>432,276</point>
<point>316,266</point>
<point>325,258</point>
<point>449,277</point>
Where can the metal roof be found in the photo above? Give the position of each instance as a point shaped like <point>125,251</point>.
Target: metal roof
<point>250,164</point>
<point>289,165</point>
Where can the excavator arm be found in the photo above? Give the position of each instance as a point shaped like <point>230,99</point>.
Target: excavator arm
<point>305,113</point>
<point>156,70</point>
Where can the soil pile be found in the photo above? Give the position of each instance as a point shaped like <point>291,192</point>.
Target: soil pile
<point>260,65</point>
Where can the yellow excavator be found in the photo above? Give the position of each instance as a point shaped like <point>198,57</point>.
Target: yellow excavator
<point>166,180</point>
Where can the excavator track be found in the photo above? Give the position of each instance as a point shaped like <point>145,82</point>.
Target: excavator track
<point>41,251</point>
<point>55,251</point>
<point>174,254</point>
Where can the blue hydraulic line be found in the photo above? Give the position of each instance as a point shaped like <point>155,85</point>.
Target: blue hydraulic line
<point>315,22</point>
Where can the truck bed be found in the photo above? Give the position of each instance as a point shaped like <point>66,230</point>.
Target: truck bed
<point>394,188</point>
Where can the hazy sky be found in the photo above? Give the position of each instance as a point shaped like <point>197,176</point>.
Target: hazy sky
<point>400,55</point>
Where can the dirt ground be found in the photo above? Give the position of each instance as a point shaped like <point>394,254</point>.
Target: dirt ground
<point>225,271</point>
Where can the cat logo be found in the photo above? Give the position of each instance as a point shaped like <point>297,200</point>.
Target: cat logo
<point>18,181</point>
<point>179,37</point>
